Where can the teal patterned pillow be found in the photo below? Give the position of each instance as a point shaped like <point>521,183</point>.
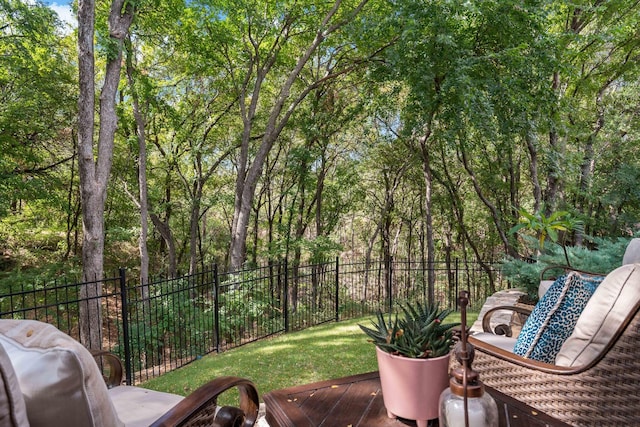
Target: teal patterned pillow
<point>554,317</point>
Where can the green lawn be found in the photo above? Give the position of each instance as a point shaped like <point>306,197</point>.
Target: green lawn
<point>323,352</point>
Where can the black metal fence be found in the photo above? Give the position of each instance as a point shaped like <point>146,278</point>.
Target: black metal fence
<point>157,327</point>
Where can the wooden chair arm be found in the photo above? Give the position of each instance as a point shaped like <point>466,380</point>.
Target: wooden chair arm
<point>564,268</point>
<point>110,366</point>
<point>502,329</point>
<point>567,269</point>
<point>200,407</point>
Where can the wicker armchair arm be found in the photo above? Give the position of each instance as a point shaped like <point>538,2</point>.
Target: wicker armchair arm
<point>502,329</point>
<point>495,353</point>
<point>200,407</point>
<point>110,366</point>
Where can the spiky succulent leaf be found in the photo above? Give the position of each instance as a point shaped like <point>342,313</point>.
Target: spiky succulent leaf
<point>418,333</point>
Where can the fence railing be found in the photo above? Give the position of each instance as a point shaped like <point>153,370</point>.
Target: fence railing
<point>160,326</point>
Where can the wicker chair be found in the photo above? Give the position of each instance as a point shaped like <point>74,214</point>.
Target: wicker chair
<point>49,379</point>
<point>597,385</point>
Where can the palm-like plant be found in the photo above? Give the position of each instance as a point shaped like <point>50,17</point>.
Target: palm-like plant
<point>548,226</point>
<point>419,333</point>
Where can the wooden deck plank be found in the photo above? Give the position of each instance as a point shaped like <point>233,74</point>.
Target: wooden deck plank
<point>357,401</point>
<point>352,405</point>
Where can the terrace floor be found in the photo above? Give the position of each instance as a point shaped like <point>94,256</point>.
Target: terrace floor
<point>507,297</point>
<point>357,401</point>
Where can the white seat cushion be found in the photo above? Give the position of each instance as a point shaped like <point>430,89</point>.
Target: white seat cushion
<point>59,379</point>
<point>611,303</point>
<point>139,407</point>
<point>500,341</point>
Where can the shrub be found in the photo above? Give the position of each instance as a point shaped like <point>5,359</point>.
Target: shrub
<point>605,257</point>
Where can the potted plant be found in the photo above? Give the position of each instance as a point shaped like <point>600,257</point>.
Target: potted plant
<point>413,360</point>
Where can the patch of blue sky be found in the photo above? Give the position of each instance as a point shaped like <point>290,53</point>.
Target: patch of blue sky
<point>64,11</point>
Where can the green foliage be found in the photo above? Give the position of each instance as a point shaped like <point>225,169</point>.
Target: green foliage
<point>420,333</point>
<point>322,249</point>
<point>159,324</point>
<point>109,47</point>
<point>25,244</point>
<point>38,105</point>
<point>244,306</point>
<point>120,234</point>
<point>605,256</point>
<point>477,77</point>
<point>547,226</point>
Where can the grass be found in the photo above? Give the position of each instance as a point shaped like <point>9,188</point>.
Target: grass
<point>323,352</point>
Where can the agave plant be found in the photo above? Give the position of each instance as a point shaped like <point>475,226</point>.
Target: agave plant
<point>419,333</point>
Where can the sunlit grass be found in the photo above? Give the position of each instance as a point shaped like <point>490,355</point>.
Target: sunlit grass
<point>320,353</point>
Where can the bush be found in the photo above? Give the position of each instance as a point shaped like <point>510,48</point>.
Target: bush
<point>157,326</point>
<point>605,257</point>
<point>247,310</point>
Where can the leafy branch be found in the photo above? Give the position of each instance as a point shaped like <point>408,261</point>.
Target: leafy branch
<point>548,227</point>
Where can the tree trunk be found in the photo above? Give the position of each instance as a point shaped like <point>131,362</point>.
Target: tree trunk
<point>94,173</point>
<point>553,180</point>
<point>533,171</point>
<point>165,231</point>
<point>588,161</point>
<point>194,225</point>
<point>319,198</point>
<point>367,258</point>
<point>495,215</point>
<point>428,217</point>
<point>73,207</point>
<point>256,228</point>
<point>458,209</point>
<point>143,204</point>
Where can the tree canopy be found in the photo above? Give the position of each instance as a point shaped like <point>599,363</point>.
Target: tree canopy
<point>250,131</point>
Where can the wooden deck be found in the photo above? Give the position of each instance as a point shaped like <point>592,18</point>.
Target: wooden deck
<point>357,402</point>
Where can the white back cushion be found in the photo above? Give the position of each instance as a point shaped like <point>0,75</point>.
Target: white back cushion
<point>13,412</point>
<point>632,253</point>
<point>60,381</point>
<point>603,315</point>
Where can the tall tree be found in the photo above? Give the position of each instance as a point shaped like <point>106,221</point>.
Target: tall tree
<point>95,166</point>
<point>141,201</point>
<point>266,46</point>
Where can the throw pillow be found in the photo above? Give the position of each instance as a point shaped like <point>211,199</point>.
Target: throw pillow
<point>554,317</point>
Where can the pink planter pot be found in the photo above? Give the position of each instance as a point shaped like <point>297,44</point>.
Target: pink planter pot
<point>411,388</point>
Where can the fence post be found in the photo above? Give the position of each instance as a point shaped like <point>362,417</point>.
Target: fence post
<point>285,308</point>
<point>216,306</point>
<point>125,326</point>
<point>337,289</point>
